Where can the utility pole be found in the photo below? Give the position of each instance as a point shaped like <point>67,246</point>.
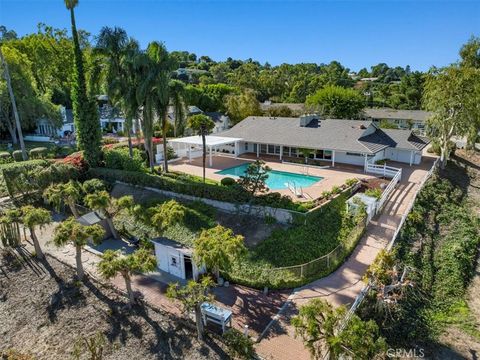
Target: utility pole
<point>6,74</point>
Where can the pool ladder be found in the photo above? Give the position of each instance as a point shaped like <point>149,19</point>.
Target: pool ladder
<point>297,191</point>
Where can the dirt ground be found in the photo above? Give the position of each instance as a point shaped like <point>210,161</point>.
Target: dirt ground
<point>44,312</point>
<point>464,344</point>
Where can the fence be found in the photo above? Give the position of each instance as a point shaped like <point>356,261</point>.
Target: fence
<point>384,170</point>
<point>330,261</point>
<point>360,297</point>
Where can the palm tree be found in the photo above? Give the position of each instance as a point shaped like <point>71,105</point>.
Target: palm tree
<point>69,194</point>
<point>202,124</point>
<point>71,231</point>
<point>120,52</point>
<point>114,262</point>
<point>33,217</point>
<point>177,100</point>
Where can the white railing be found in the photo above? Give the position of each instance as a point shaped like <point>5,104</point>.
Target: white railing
<point>384,170</point>
<point>388,191</point>
<point>360,297</point>
<point>297,191</point>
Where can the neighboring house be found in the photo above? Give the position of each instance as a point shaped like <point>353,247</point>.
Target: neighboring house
<point>404,119</point>
<point>176,259</point>
<point>353,142</point>
<point>296,108</point>
<point>222,121</point>
<point>45,128</point>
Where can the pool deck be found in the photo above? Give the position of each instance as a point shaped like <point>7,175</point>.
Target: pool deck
<point>332,176</point>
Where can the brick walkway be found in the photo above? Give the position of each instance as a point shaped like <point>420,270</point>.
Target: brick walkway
<point>342,286</point>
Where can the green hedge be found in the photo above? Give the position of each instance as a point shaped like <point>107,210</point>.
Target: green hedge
<point>188,186</point>
<point>119,158</point>
<point>38,153</point>
<point>17,155</point>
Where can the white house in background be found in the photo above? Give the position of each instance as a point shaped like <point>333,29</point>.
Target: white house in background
<point>176,259</point>
<point>404,119</point>
<point>355,142</point>
<point>222,121</point>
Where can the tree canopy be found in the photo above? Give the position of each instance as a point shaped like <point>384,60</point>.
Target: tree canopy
<point>336,102</point>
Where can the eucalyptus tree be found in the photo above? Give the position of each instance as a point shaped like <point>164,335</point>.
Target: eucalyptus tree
<point>120,51</point>
<point>85,112</point>
<point>33,217</point>
<point>71,231</point>
<point>202,125</point>
<point>114,263</point>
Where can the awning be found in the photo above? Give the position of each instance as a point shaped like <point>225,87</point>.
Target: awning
<point>210,140</point>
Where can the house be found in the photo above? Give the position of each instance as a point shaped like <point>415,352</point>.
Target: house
<point>176,259</point>
<point>222,121</point>
<point>404,119</point>
<point>353,142</point>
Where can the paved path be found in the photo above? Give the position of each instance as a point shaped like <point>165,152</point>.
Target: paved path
<point>342,286</point>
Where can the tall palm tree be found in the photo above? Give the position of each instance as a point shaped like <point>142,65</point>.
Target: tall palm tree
<point>202,124</point>
<point>120,50</point>
<point>176,90</point>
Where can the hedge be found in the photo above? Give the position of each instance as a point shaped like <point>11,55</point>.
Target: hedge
<point>38,153</point>
<point>5,157</point>
<point>17,155</point>
<point>119,158</point>
<point>187,186</point>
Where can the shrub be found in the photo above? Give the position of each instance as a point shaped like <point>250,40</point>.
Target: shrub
<point>228,181</point>
<point>350,182</point>
<point>239,345</point>
<point>381,162</point>
<point>5,157</point>
<point>376,193</point>
<point>76,160</point>
<point>119,158</point>
<point>106,140</point>
<point>38,153</point>
<point>94,185</point>
<point>17,155</point>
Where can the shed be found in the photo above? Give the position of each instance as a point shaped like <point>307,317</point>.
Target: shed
<point>176,259</point>
<point>92,218</point>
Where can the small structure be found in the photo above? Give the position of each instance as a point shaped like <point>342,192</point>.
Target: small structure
<point>176,259</point>
<point>217,315</point>
<point>92,218</point>
<point>191,146</point>
<point>369,202</point>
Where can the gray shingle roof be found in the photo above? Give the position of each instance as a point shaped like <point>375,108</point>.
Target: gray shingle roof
<point>387,113</point>
<point>332,134</point>
<point>359,136</point>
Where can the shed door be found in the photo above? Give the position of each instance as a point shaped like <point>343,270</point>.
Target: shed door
<point>175,266</point>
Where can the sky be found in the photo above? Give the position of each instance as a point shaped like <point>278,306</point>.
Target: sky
<point>357,33</point>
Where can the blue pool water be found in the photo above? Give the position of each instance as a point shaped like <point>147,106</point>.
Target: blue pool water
<point>276,179</point>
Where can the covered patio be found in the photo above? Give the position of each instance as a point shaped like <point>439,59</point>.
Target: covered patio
<point>191,146</point>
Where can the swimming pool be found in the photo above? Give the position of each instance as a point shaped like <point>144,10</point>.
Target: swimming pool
<point>276,179</point>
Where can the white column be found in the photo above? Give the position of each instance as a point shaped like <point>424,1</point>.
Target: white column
<point>236,149</point>
<point>210,156</point>
<point>365,166</point>
<point>281,152</point>
<point>333,158</point>
<point>258,150</point>
<point>189,153</point>
<point>411,157</point>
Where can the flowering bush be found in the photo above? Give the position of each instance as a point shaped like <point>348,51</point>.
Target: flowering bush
<point>76,160</point>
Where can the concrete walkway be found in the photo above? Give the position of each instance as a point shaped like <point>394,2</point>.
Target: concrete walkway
<point>342,286</point>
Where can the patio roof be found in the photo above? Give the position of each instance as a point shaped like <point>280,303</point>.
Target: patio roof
<point>209,139</point>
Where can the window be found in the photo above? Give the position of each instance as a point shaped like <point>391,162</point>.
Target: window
<point>246,146</point>
<point>173,261</point>
<point>271,149</point>
<point>286,151</point>
<point>263,148</point>
<point>354,154</point>
<point>327,155</point>
<point>319,154</point>
<point>293,151</point>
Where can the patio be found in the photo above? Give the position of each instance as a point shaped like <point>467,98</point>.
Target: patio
<point>333,176</point>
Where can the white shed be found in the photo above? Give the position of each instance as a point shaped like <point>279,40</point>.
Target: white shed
<point>176,259</point>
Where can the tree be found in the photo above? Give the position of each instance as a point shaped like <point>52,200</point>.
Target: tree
<point>470,53</point>
<point>240,106</point>
<point>32,218</point>
<point>255,177</point>
<point>177,99</point>
<point>337,103</point>
<point>318,324</point>
<point>447,91</point>
<point>71,231</point>
<point>120,52</point>
<point>85,112</point>
<point>202,125</point>
<point>68,193</point>
<point>107,206</point>
<point>114,262</point>
<point>164,215</point>
<point>192,296</point>
<point>6,75</point>
<point>217,248</point>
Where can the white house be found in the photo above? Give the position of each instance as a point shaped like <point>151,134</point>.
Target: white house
<point>404,119</point>
<point>355,142</point>
<point>176,259</point>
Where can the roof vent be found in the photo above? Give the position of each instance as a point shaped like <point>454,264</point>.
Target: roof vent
<point>306,119</point>
<point>363,127</point>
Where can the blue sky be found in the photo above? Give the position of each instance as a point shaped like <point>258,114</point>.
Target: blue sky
<point>356,33</point>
